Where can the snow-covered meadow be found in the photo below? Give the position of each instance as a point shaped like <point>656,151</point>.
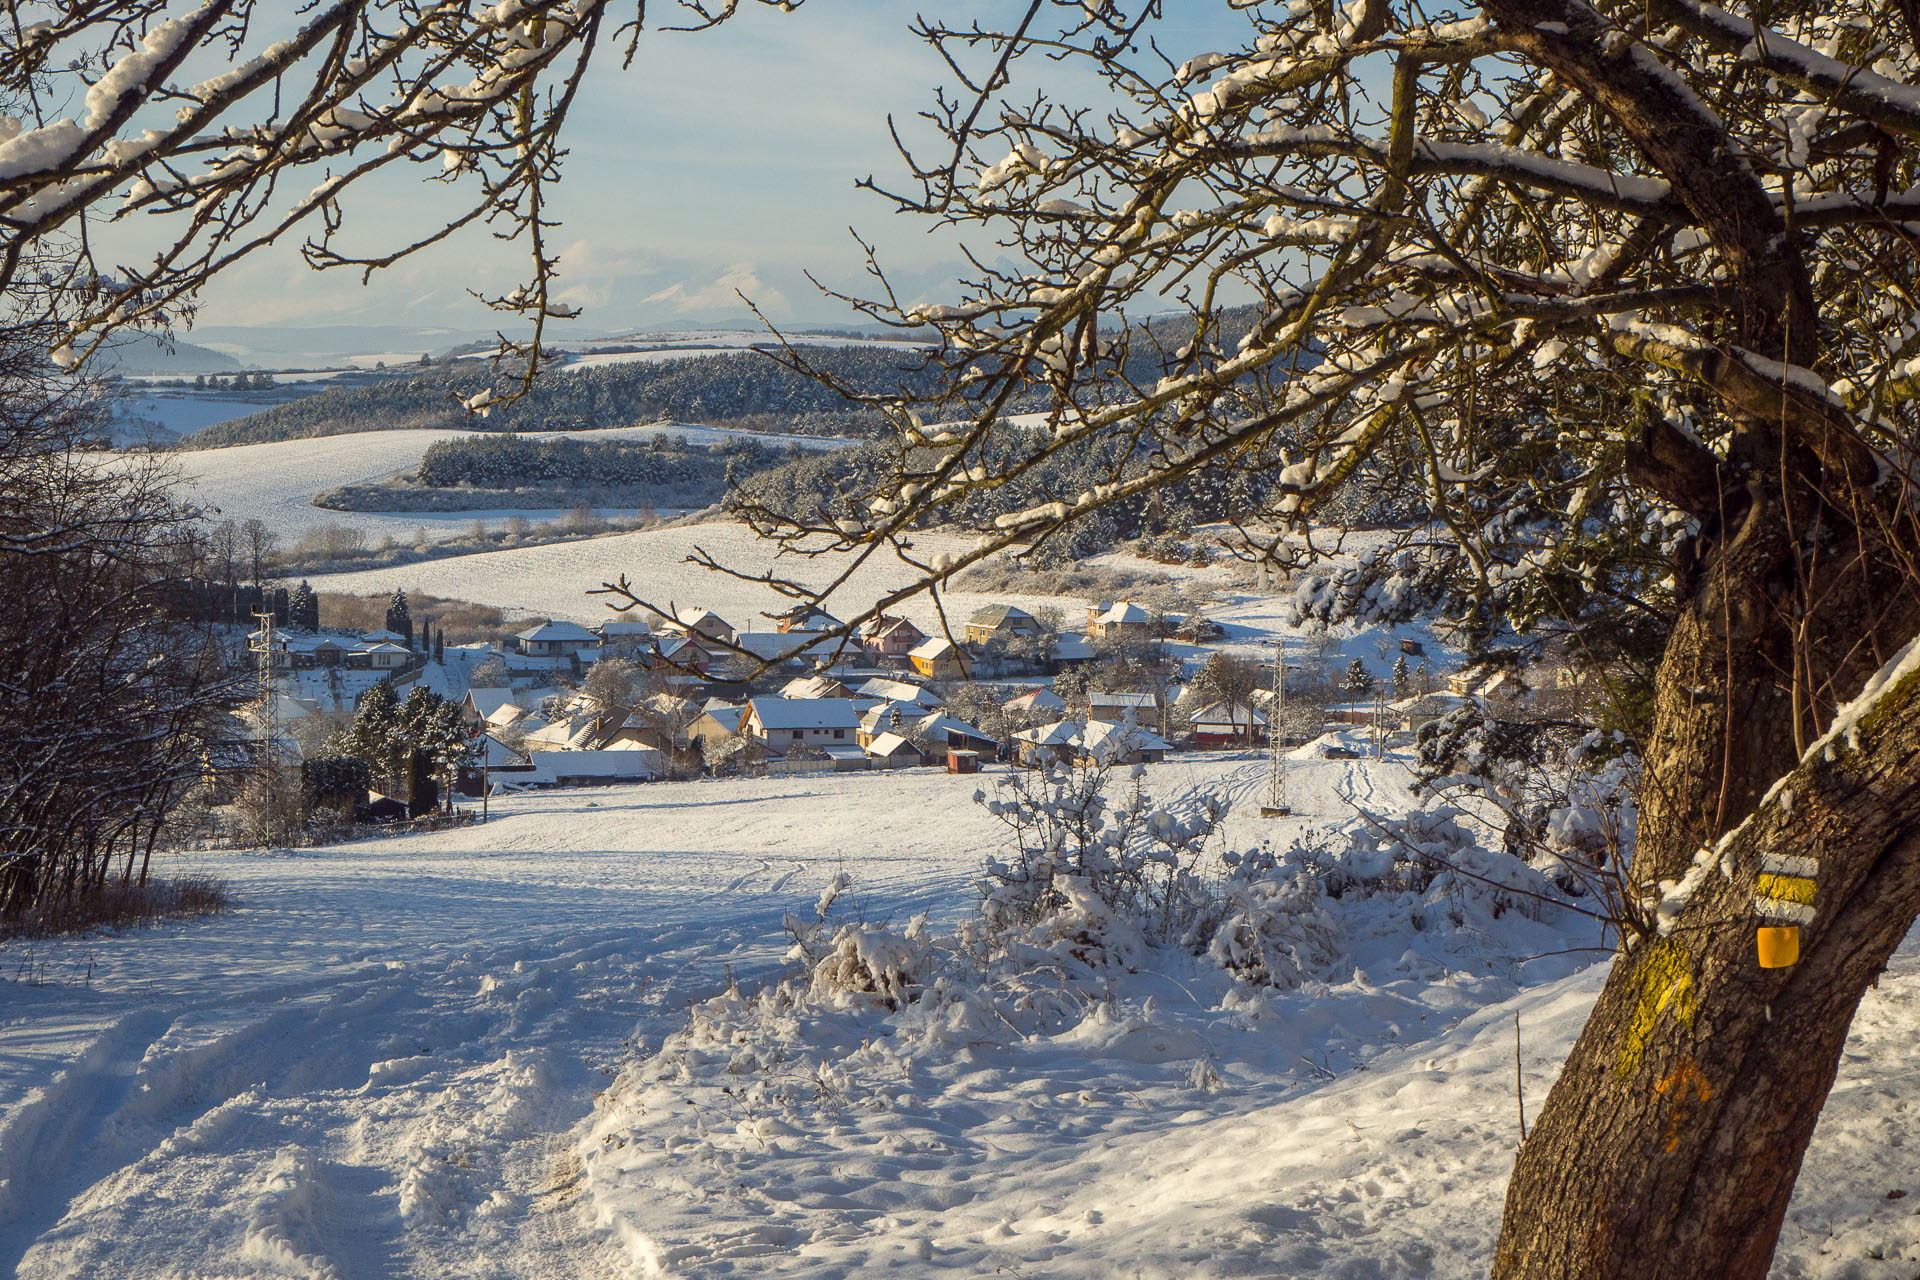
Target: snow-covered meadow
<point>276,482</point>
<point>553,580</point>
<point>538,1049</point>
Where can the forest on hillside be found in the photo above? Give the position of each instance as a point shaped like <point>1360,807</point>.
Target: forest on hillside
<point>742,389</point>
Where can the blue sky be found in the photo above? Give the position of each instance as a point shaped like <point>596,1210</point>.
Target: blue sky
<point>720,160</point>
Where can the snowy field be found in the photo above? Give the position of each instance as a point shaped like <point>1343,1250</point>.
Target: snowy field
<point>513,1052</point>
<point>553,580</point>
<point>275,482</point>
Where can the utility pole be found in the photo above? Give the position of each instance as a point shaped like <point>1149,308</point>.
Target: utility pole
<point>1277,805</point>
<point>263,644</point>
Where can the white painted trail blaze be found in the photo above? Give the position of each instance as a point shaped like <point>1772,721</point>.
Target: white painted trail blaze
<point>462,1055</point>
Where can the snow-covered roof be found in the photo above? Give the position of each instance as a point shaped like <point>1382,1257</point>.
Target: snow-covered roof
<point>727,717</point>
<point>1038,700</point>
<point>804,713</point>
<point>386,646</point>
<point>487,701</point>
<point>808,613</point>
<point>898,691</point>
<point>1102,740</point>
<point>501,756</point>
<point>882,627</point>
<point>625,627</point>
<point>813,687</point>
<point>1124,612</point>
<point>1071,646</point>
<point>551,631</point>
<point>671,646</point>
<point>1221,713</point>
<point>932,647</point>
<point>889,744</point>
<point>1061,733</point>
<point>1135,701</point>
<point>596,764</point>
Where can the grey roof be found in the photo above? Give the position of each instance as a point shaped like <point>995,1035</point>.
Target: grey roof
<point>992,615</point>
<point>557,631</point>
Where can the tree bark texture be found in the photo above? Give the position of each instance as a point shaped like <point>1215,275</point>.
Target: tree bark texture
<point>1670,1144</point>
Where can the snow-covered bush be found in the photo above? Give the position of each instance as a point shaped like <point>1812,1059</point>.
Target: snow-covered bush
<point>1079,854</point>
<point>854,963</point>
<point>1275,929</point>
<point>1561,796</point>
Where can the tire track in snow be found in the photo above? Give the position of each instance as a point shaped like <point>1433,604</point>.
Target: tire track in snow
<point>402,1122</point>
<point>67,1116</point>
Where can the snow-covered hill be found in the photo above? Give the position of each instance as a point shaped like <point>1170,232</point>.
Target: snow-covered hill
<point>553,580</point>
<point>467,1054</point>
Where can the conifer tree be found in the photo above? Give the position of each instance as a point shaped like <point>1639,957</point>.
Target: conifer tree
<point>1359,680</point>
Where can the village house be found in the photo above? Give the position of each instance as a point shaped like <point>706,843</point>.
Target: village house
<point>588,768</point>
<point>1047,744</point>
<point>1116,706</point>
<point>1119,620</point>
<point>937,659</point>
<point>1037,702</point>
<point>479,704</point>
<point>582,731</point>
<point>891,751</point>
<point>702,622</point>
<point>716,722</point>
<point>1224,724</point>
<point>804,617</point>
<point>684,654</point>
<point>891,639</point>
<point>625,633</point>
<point>784,723</point>
<point>881,689</point>
<point>958,735</point>
<point>886,717</point>
<point>1104,743</point>
<point>1000,622</point>
<point>1071,649</point>
<point>557,640</point>
<point>814,687</point>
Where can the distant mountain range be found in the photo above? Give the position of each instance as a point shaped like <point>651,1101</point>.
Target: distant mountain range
<point>145,353</point>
